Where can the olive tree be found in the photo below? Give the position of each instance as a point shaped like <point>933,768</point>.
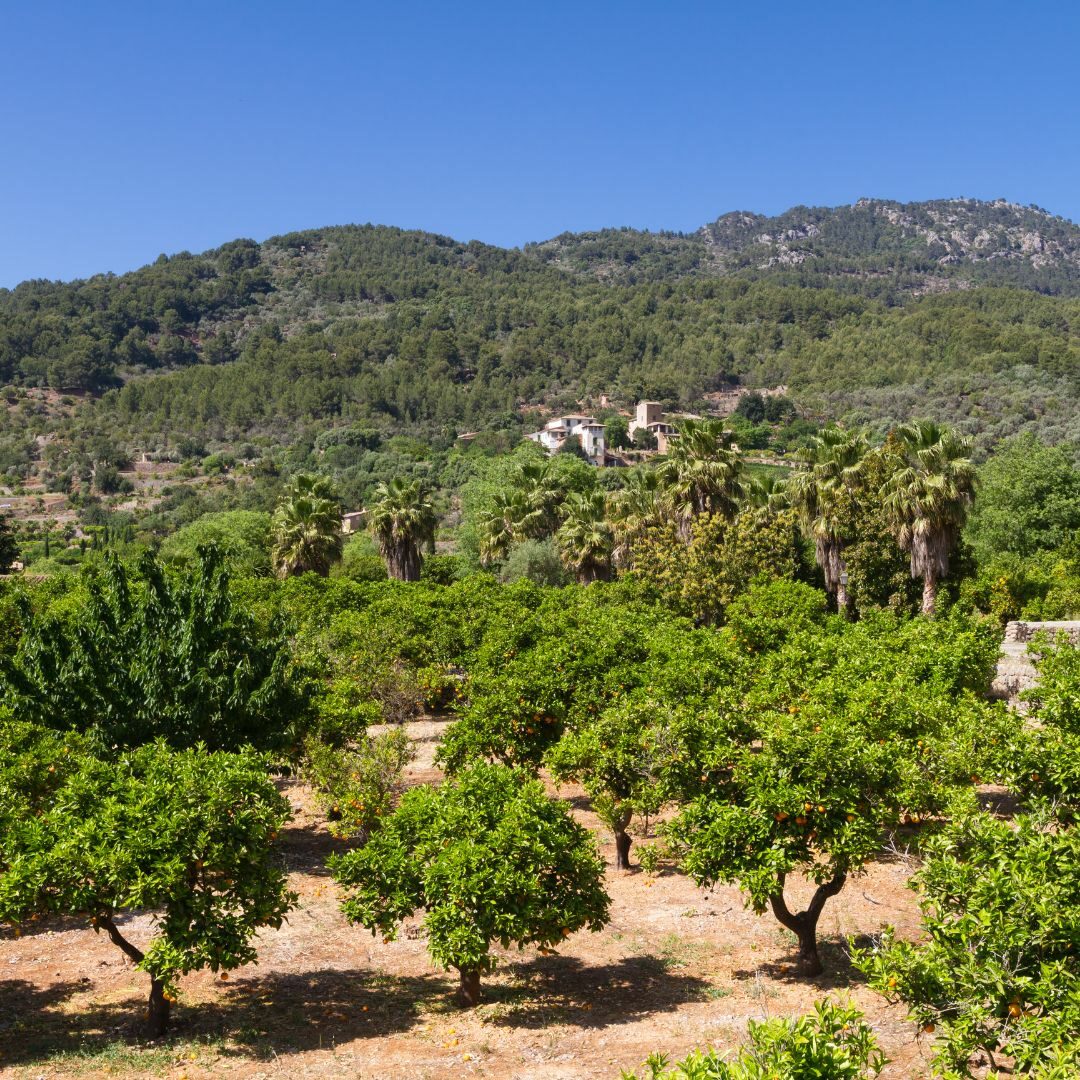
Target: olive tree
<point>489,857</point>
<point>187,835</point>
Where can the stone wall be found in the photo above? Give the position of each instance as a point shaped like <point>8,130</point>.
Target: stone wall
<point>1015,670</point>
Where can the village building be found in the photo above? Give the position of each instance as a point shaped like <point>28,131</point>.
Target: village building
<point>649,416</point>
<point>587,429</point>
<point>352,522</point>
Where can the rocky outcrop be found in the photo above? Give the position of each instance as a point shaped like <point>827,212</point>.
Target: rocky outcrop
<point>1015,667</point>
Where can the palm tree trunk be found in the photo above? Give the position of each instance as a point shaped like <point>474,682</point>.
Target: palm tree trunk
<point>929,594</point>
<point>844,605</point>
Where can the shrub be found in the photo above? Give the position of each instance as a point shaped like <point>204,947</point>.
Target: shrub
<point>537,561</point>
<point>359,786</point>
<point>834,1043</point>
<point>242,536</point>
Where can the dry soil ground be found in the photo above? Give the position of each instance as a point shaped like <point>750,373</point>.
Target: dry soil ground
<point>677,967</point>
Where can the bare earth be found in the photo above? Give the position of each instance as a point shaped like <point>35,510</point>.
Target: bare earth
<point>677,967</point>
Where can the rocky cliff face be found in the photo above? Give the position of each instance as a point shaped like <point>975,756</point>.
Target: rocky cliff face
<point>875,245</point>
<point>945,243</point>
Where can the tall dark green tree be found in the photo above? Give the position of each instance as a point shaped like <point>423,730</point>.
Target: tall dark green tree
<point>9,548</point>
<point>151,655</point>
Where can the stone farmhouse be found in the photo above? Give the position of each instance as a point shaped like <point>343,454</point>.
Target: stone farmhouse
<point>650,417</point>
<point>353,522</point>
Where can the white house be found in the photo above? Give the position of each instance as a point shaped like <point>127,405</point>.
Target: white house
<point>589,431</point>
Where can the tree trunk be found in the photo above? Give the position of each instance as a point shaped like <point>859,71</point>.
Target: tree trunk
<point>619,826</point>
<point>843,600</point>
<point>157,1009</point>
<point>809,960</point>
<point>804,923</point>
<point>929,594</point>
<point>469,986</point>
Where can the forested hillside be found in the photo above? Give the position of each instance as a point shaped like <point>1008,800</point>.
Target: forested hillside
<point>871,312</point>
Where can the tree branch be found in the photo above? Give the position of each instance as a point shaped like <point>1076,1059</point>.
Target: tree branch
<point>780,908</point>
<point>118,939</point>
<point>823,892</point>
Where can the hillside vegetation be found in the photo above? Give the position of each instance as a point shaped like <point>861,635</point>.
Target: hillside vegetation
<point>960,310</point>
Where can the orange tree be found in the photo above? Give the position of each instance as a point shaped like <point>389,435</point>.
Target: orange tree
<point>815,797</point>
<point>635,757</point>
<point>533,676</point>
<point>489,857</point>
<point>186,834</point>
<point>858,729</point>
<point>997,969</point>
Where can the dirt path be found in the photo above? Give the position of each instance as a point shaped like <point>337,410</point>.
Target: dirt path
<point>677,967</point>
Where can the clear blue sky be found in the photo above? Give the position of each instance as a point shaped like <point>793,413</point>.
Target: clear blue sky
<point>128,129</point>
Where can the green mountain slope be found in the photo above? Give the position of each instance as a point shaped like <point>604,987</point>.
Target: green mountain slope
<point>858,310</point>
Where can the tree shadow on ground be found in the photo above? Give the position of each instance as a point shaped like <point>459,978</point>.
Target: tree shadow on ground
<point>835,958</point>
<point>562,989</point>
<point>33,1027</point>
<point>999,801</point>
<point>283,1013</point>
<point>261,1016</point>
<point>306,848</point>
<point>20,1000</point>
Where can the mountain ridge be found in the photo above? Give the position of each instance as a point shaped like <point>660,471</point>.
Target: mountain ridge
<point>978,231</point>
<point>910,248</point>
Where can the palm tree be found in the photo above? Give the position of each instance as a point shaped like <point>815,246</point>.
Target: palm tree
<point>505,522</point>
<point>702,473</point>
<point>632,510</point>
<point>821,493</point>
<point>927,499</point>
<point>306,528</point>
<point>767,493</point>
<point>402,519</point>
<point>586,539</point>
<point>543,494</point>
